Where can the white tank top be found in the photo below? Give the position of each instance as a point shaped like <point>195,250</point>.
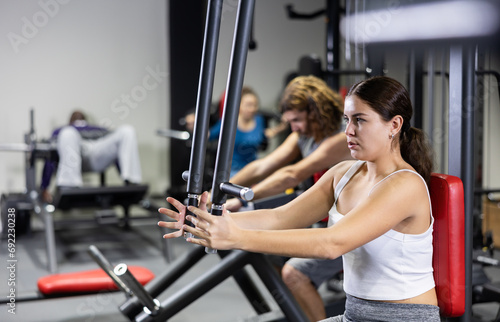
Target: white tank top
<point>394,266</point>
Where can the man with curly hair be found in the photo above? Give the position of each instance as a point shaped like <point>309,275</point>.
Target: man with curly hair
<point>314,112</point>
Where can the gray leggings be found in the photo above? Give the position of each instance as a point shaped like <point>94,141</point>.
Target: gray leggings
<point>357,310</point>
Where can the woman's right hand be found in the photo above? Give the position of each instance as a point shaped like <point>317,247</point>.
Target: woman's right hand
<point>178,217</point>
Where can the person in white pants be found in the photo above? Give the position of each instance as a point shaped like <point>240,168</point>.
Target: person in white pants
<point>82,147</point>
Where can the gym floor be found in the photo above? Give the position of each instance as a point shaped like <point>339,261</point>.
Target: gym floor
<point>140,245</point>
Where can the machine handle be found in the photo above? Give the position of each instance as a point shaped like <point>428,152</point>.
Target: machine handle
<point>152,305</point>
<point>236,191</point>
<point>108,268</point>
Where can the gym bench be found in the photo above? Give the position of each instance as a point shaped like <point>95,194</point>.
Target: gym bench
<point>103,198</point>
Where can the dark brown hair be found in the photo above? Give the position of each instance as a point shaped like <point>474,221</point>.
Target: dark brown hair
<point>389,98</point>
<point>324,106</point>
<point>76,115</point>
<point>248,90</point>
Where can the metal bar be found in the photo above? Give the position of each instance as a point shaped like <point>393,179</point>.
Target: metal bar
<point>249,289</point>
<point>416,86</point>
<point>468,169</point>
<point>348,72</point>
<point>50,239</point>
<point>455,114</point>
<point>486,191</point>
<point>375,60</point>
<point>278,289</point>
<point>237,190</point>
<point>444,80</point>
<point>491,72</point>
<point>132,306</point>
<point>124,274</point>
<point>229,124</point>
<point>233,97</point>
<point>456,150</point>
<point>204,100</point>
<point>430,92</point>
<point>174,134</point>
<point>30,139</point>
<point>186,20</point>
<point>441,72</point>
<point>107,267</point>
<point>14,147</point>
<point>332,43</point>
<point>204,283</point>
<point>479,143</point>
<point>292,14</point>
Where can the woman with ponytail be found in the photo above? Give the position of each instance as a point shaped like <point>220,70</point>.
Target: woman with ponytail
<point>380,218</point>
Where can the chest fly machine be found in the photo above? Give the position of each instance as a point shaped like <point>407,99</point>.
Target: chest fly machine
<point>142,305</point>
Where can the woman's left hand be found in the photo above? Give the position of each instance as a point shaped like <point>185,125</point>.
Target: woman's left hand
<point>216,232</point>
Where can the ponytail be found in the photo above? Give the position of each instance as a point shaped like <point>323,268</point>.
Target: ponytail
<point>415,150</point>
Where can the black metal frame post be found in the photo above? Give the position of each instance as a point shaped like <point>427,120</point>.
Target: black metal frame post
<point>242,34</point>
<point>32,195</point>
<point>444,81</point>
<point>133,306</point>
<point>194,176</point>
<point>232,262</point>
<point>232,102</point>
<point>375,58</point>
<point>478,236</point>
<point>185,36</point>
<point>468,173</point>
<point>430,91</point>
<point>415,84</point>
<point>198,287</point>
<point>460,150</point>
<point>205,88</point>
<point>332,43</point>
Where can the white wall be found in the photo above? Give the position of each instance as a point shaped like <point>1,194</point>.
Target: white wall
<point>280,44</point>
<point>57,55</point>
<point>491,168</point>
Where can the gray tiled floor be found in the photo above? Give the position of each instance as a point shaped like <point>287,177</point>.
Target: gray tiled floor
<point>143,246</point>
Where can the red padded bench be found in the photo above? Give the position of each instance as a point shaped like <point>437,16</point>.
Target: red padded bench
<point>91,281</point>
<point>447,197</point>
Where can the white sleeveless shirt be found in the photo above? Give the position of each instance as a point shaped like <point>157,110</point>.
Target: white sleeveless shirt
<point>394,266</point>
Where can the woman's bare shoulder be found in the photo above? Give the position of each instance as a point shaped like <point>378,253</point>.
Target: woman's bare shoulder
<point>404,183</point>
<point>341,168</point>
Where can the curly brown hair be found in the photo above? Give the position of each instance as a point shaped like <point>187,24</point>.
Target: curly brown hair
<point>324,106</point>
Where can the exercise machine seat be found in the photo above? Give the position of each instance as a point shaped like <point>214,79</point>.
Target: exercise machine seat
<point>90,281</point>
<point>447,199</point>
<point>88,197</point>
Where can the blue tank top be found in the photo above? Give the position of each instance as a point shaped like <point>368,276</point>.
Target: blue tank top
<point>246,144</point>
